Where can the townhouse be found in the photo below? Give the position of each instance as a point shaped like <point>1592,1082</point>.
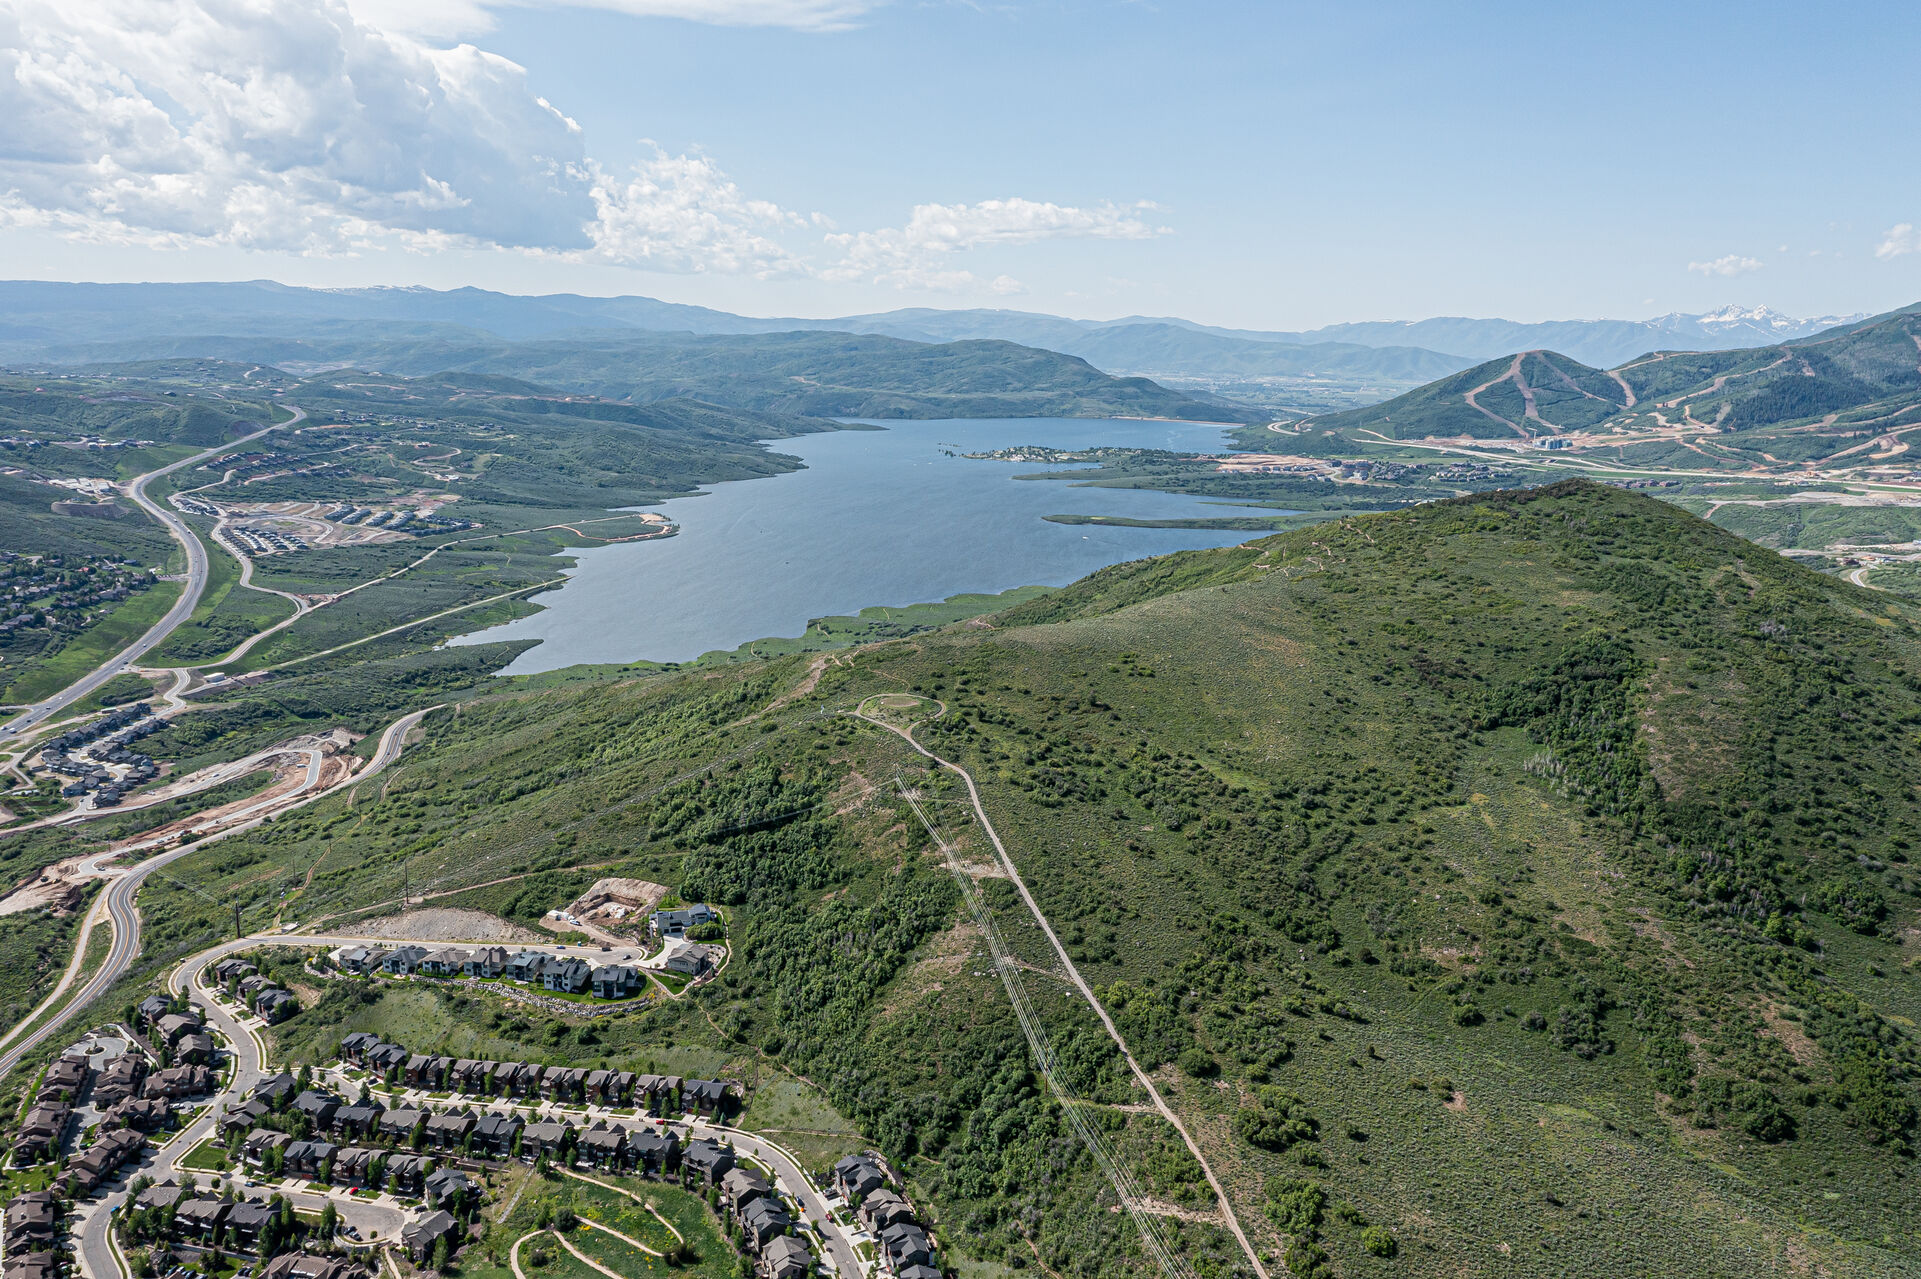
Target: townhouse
<point>312,1158</point>
<point>448,1130</point>
<point>449,1188</point>
<point>403,961</point>
<point>32,1222</point>
<point>420,1236</point>
<point>568,976</point>
<point>488,961</point>
<point>495,1135</point>
<point>178,1081</point>
<point>64,1079</point>
<point>358,1120</point>
<point>675,923</point>
<point>119,1080</point>
<point>320,1108</point>
<point>707,1160</point>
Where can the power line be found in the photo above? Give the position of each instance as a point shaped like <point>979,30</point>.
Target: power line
<point>161,874</point>
<point>1153,1235</point>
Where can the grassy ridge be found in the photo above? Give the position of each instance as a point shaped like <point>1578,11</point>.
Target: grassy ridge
<point>1525,880</point>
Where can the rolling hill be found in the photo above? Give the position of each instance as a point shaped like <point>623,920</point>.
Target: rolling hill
<point>817,374</point>
<point>1518,884</point>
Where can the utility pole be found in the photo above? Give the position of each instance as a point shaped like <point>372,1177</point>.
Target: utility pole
<point>236,921</point>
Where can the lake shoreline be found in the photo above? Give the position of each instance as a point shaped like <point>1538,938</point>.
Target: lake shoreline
<point>886,513</point>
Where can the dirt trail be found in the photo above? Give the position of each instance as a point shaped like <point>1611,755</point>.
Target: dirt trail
<point>513,1254</point>
<point>1087,992</point>
<point>584,1259</point>
<point>591,1224</point>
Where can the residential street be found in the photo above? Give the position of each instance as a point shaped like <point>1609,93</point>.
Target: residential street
<point>381,1218</point>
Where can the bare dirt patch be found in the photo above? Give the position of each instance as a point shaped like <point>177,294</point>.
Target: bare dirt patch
<point>446,923</point>
<point>616,901</point>
<point>942,959</point>
<point>1792,1037</point>
<point>1162,1208</point>
<point>56,888</point>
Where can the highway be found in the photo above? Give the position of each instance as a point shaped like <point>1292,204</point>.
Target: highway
<point>182,608</point>
<point>117,902</point>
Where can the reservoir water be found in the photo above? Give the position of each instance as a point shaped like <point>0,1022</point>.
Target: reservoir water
<point>888,517</point>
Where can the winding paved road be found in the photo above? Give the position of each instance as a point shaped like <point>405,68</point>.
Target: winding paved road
<point>117,902</point>
<point>91,1231</point>
<point>182,608</point>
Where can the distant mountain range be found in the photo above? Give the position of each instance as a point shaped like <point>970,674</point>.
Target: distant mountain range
<point>1454,339</point>
<point>1331,367</point>
<point>1598,342</point>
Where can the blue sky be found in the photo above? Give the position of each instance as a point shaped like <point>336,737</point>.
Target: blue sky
<point>1263,165</point>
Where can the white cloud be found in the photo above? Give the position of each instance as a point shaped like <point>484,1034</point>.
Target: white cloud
<point>290,126</point>
<point>449,18</point>
<point>682,214</point>
<point>1732,264</point>
<point>917,256</point>
<point>296,126</point>
<point>274,124</point>
<point>1900,240</point>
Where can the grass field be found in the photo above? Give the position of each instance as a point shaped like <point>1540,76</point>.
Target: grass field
<point>45,676</point>
<point>227,613</point>
<point>208,1156</point>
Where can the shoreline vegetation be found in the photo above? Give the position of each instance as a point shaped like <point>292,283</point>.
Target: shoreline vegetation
<point>872,624</point>
<point>1244,523</point>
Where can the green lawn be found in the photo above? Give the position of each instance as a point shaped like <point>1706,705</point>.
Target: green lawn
<point>208,1156</point>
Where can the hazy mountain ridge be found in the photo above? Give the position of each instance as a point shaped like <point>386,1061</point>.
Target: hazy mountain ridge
<point>810,374</point>
<point>1361,362</point>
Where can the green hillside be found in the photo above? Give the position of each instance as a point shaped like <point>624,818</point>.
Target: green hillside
<point>1515,885</point>
<point>1799,401</point>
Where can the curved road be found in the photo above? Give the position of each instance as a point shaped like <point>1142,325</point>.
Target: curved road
<point>91,1232</point>
<point>118,901</point>
<point>375,1219</point>
<point>182,608</point>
